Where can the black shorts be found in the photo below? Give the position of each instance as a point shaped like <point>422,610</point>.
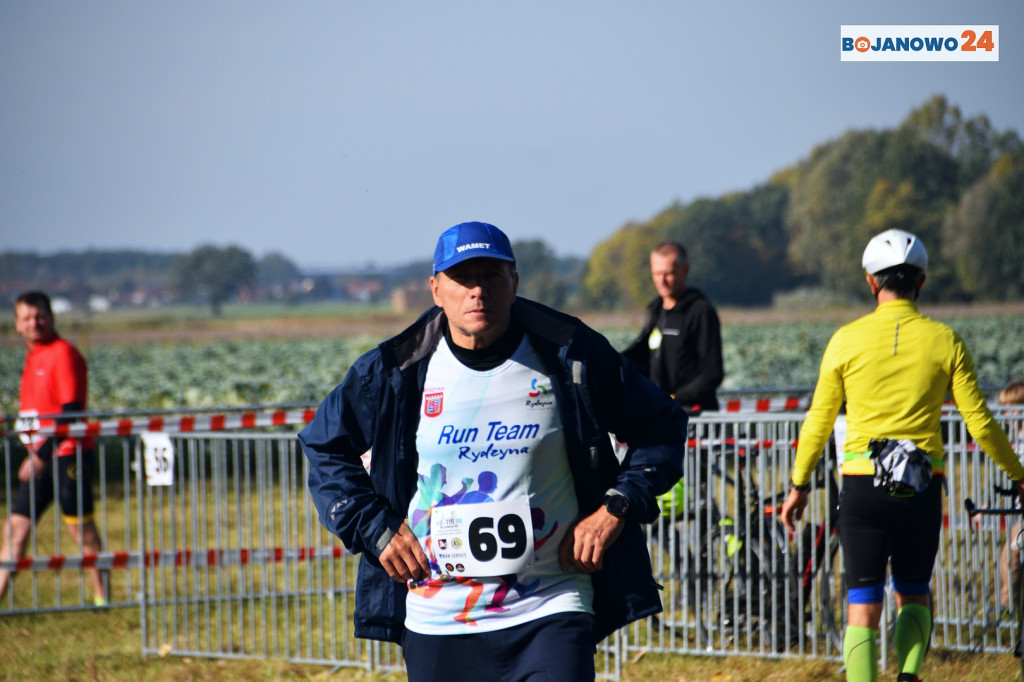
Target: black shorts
<point>557,647</point>
<point>875,527</point>
<point>35,496</point>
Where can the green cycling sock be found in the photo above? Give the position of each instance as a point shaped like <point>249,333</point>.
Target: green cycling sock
<point>860,654</point>
<point>913,630</point>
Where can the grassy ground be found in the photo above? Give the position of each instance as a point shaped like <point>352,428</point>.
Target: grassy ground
<point>105,645</point>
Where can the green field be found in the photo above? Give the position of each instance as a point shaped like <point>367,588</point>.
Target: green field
<point>144,363</point>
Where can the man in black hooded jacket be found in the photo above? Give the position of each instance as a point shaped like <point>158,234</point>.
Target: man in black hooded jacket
<point>680,346</point>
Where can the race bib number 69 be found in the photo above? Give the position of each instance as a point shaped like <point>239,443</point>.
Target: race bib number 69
<point>485,539</point>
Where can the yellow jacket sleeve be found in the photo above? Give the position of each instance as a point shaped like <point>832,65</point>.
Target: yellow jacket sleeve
<point>821,417</point>
<point>982,426</point>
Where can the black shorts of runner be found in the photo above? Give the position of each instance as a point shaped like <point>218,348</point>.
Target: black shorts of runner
<point>557,647</point>
<point>875,527</point>
<point>34,497</point>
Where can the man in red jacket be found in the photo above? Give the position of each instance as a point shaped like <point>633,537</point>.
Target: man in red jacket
<point>53,381</point>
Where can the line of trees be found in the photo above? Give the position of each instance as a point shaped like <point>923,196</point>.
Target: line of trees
<point>215,275</point>
<point>957,183</point>
<point>211,274</point>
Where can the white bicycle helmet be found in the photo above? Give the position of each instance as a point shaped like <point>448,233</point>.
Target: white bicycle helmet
<point>894,247</point>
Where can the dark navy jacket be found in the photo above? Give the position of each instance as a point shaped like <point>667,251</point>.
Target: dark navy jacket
<point>598,392</point>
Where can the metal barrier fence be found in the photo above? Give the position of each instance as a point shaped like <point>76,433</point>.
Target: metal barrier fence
<point>225,557</point>
<point>50,577</point>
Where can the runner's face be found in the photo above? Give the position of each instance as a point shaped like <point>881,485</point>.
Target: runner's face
<point>34,324</point>
<point>669,275</point>
<point>476,296</point>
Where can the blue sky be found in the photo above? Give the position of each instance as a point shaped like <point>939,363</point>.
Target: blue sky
<point>351,133</point>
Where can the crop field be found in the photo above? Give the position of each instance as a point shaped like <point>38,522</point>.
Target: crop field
<point>287,361</point>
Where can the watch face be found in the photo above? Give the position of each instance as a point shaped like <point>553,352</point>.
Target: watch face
<point>617,505</point>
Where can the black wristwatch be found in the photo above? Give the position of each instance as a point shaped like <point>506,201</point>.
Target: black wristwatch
<point>803,488</point>
<point>616,504</point>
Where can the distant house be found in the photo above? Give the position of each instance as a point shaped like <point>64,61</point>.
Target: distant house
<point>365,290</point>
<point>99,304</point>
<point>411,298</point>
<point>61,305</point>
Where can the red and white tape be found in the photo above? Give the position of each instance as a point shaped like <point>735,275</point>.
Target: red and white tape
<point>250,420</point>
<point>211,557</point>
<point>174,558</point>
<point>766,405</point>
<point>106,560</point>
<point>188,424</point>
<point>742,446</point>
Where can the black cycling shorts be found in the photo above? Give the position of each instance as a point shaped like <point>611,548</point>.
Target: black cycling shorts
<point>875,527</point>
<point>34,497</point>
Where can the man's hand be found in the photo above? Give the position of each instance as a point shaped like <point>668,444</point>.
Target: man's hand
<point>403,558</point>
<point>31,468</point>
<point>587,541</point>
<point>793,508</point>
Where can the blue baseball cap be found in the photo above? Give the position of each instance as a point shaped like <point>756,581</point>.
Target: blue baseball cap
<point>470,240</point>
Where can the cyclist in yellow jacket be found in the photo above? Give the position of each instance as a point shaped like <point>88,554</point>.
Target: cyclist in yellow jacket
<point>894,368</point>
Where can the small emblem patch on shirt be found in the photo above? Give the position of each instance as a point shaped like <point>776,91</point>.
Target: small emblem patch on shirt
<point>433,404</point>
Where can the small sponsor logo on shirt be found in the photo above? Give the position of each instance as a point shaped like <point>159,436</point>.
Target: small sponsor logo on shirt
<point>544,403</point>
<point>540,397</point>
<point>433,404</point>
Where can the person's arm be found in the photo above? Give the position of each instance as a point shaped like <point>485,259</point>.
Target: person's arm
<point>31,467</point>
<point>72,388</point>
<point>403,558</point>
<point>342,491</point>
<point>814,433</point>
<point>793,507</point>
<point>706,331</point>
<point>654,426</point>
<point>821,416</point>
<point>588,542</point>
<point>982,426</point>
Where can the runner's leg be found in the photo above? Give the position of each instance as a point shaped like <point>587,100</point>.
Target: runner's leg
<point>16,531</point>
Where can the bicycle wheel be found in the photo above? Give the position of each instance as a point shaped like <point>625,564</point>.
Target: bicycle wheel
<point>775,584</point>
<point>1019,647</point>
<point>744,595</point>
<point>720,589</point>
<point>831,596</point>
<point>1019,650</point>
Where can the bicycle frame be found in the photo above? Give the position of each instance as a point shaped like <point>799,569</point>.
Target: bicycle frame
<point>1017,512</point>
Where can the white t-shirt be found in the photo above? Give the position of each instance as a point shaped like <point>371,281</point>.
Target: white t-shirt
<point>494,478</point>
